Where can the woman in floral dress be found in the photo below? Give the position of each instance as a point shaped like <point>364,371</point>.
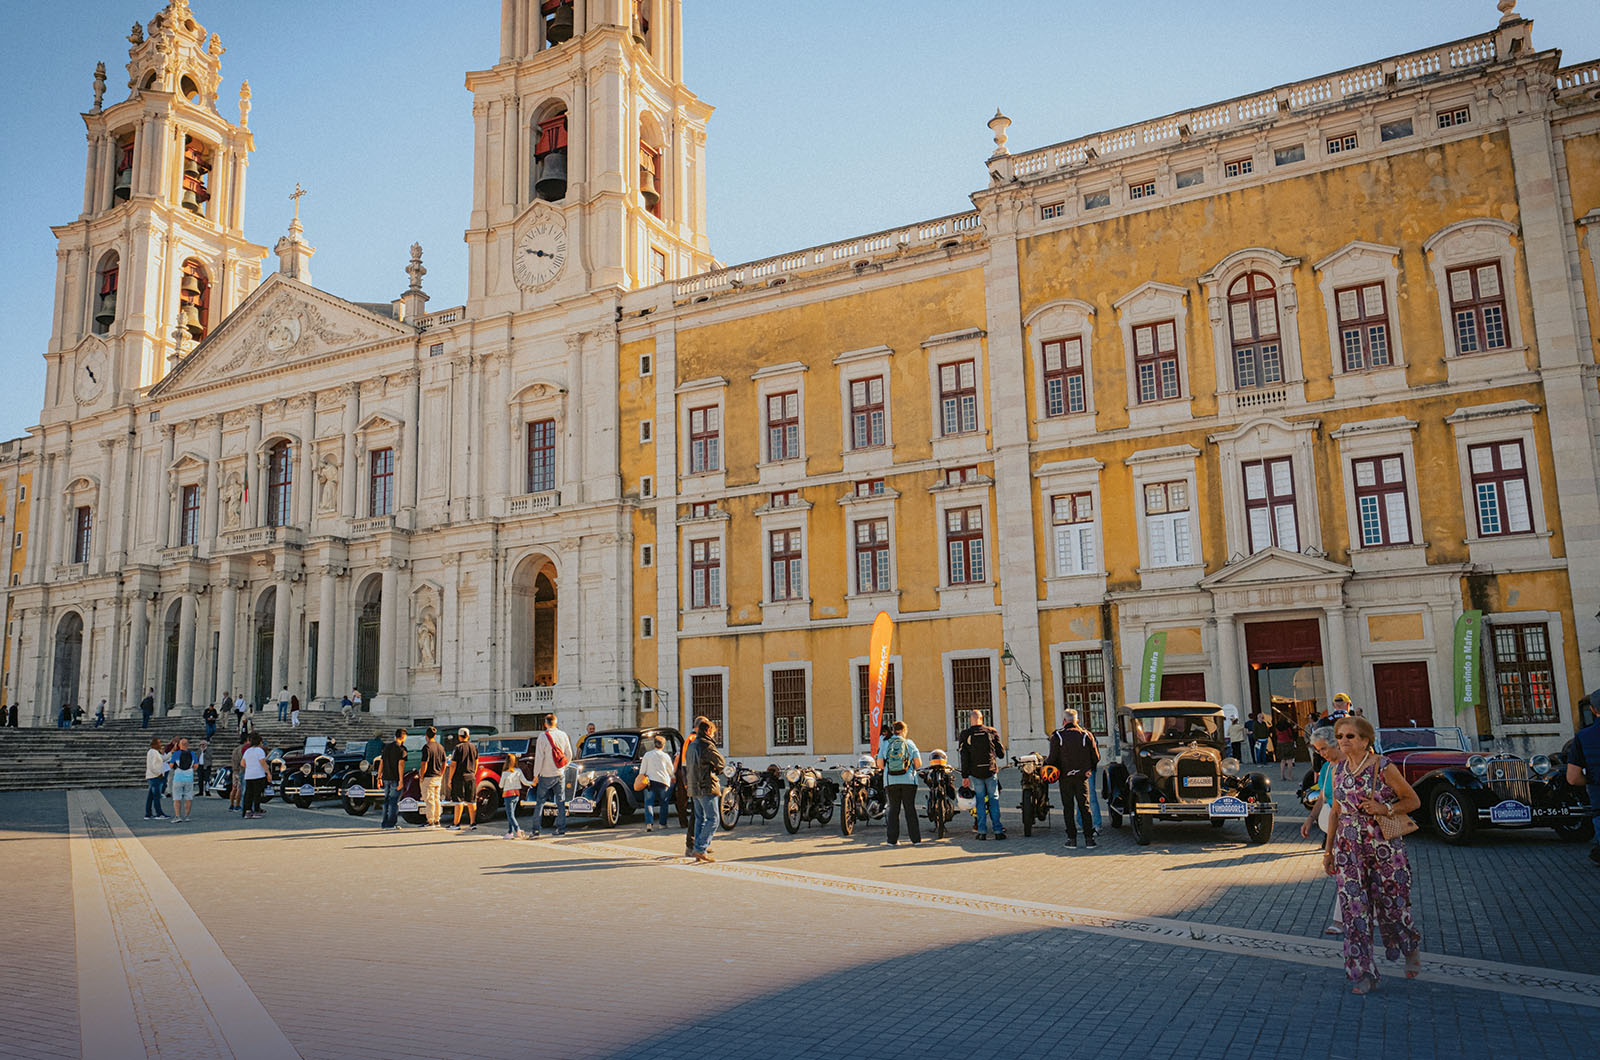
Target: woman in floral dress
<point>1373,875</point>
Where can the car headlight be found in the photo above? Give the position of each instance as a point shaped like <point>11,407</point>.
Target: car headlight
<point>792,774</point>
<point>365,765</point>
<point>847,775</point>
<point>1028,767</point>
<point>729,770</point>
<point>1166,767</point>
<point>1230,766</point>
<point>1540,764</point>
<point>306,769</point>
<point>585,779</point>
<point>1479,765</point>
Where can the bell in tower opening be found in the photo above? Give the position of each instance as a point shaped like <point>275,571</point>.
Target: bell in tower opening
<point>194,300</point>
<point>105,299</point>
<point>641,22</point>
<point>558,21</point>
<point>550,159</point>
<point>196,176</point>
<point>122,186</point>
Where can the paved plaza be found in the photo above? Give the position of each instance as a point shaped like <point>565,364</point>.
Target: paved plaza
<point>310,933</point>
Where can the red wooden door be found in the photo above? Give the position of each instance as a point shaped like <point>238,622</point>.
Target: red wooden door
<point>1183,686</point>
<point>1403,698</point>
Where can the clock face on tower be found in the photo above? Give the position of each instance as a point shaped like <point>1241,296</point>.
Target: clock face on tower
<point>540,255</point>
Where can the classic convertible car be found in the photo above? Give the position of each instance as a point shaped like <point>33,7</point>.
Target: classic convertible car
<point>600,778</point>
<point>1463,790</point>
<point>1175,767</point>
<point>324,768</point>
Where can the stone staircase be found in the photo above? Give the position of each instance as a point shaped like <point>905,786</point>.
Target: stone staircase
<point>113,756</point>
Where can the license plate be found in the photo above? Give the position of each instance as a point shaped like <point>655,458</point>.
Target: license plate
<point>1198,782</point>
<point>355,791</point>
<point>580,805</point>
<point>408,806</point>
<point>1510,812</point>
<point>1228,806</point>
<point>308,790</point>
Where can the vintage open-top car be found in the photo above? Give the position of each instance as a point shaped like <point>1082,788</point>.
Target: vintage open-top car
<point>600,778</point>
<point>1175,767</point>
<point>324,768</point>
<point>1463,790</point>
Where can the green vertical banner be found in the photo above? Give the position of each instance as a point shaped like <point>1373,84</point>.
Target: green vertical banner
<point>1468,667</point>
<point>1155,661</point>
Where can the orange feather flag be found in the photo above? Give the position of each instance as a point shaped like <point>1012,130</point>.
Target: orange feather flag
<point>878,671</point>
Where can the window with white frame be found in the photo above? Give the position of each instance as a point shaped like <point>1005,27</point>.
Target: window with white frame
<point>963,543</point>
<point>1253,324</point>
<point>647,627</point>
<point>785,565</point>
<point>646,431</point>
<point>1269,505</point>
<point>1052,210</point>
<point>783,425</point>
<point>1363,326</point>
<point>1383,511</point>
<point>867,420</point>
<point>958,398</point>
<point>1500,489</point>
<point>788,707</point>
<point>1238,167</point>
<point>1343,142</point>
<point>872,556</point>
<point>1473,265</point>
<point>705,439</point>
<point>647,555</point>
<point>705,573</point>
<point>1167,524</point>
<point>1083,688</point>
<point>1063,376</point>
<point>1142,189</point>
<point>541,456</point>
<point>1524,673</point>
<point>1155,361</point>
<point>1449,119</point>
<point>1477,307</point>
<point>1073,524</point>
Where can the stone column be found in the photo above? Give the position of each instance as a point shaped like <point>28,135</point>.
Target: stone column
<point>1338,668</point>
<point>225,623</point>
<point>1228,662</point>
<point>185,697</point>
<point>213,497</point>
<point>126,506</point>
<point>105,504</point>
<point>411,431</point>
<point>282,635</point>
<point>138,648</point>
<point>352,420</point>
<point>389,639</point>
<point>198,692</point>
<point>306,497</point>
<point>249,514</point>
<point>327,581</point>
<point>86,662</point>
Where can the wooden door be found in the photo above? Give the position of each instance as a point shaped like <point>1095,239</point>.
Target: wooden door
<point>1403,698</point>
<point>1183,686</point>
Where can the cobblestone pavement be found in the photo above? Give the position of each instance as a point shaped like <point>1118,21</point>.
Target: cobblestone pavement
<point>606,943</point>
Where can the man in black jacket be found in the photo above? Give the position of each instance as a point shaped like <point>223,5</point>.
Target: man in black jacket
<point>1074,752</point>
<point>981,753</point>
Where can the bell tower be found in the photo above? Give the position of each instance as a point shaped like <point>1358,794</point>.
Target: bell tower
<point>589,154</point>
<point>158,256</point>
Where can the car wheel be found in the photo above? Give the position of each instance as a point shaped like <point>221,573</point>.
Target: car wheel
<point>1027,812</point>
<point>1451,815</point>
<point>728,809</point>
<point>412,818</point>
<point>610,807</point>
<point>1144,829</point>
<point>488,799</point>
<point>302,801</point>
<point>356,807</point>
<point>791,811</point>
<point>847,814</point>
<point>1258,826</point>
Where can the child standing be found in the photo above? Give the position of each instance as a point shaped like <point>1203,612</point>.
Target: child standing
<point>511,784</point>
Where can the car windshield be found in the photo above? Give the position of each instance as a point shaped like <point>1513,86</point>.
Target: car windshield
<point>500,746</point>
<point>609,743</point>
<point>1184,727</point>
<point>1449,737</point>
<point>316,745</point>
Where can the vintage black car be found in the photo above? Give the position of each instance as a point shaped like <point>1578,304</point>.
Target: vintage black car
<point>1175,767</point>
<point>600,778</point>
<point>1463,790</point>
<point>325,768</point>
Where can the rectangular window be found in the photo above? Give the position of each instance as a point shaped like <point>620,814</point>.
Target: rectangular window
<point>963,545</point>
<point>869,487</point>
<point>16,539</point>
<point>1284,156</point>
<point>872,556</point>
<point>1072,516</point>
<point>658,266</point>
<point>647,555</point>
<point>189,525</point>
<point>1363,326</point>
<point>647,486</point>
<point>1395,130</point>
<point>82,527</point>
<point>788,708</point>
<point>647,627</point>
<point>541,456</point>
<point>436,349</point>
<point>705,698</point>
<point>646,431</point>
<point>1142,190</point>
<point>1448,119</point>
<point>864,701</point>
<point>645,364</point>
<point>1500,491</point>
<point>1155,361</point>
<point>1052,210</point>
<point>1478,307</point>
<point>705,439</point>
<point>1083,688</point>
<point>280,483</point>
<point>1523,673</point>
<point>1269,505</point>
<point>1382,510</point>
<point>705,573</point>
<point>702,509</point>
<point>1095,200</point>
<point>784,563</point>
<point>958,397</point>
<point>784,499</point>
<point>1239,167</point>
<point>969,690</point>
<point>1166,522</point>
<point>867,423</point>
<point>1339,144</point>
<point>1188,178</point>
<point>955,476</point>
<point>783,426</point>
<point>380,484</point>
<point>1063,377</point>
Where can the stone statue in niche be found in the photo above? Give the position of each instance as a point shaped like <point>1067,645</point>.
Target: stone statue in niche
<point>232,501</point>
<point>328,485</point>
<point>427,641</point>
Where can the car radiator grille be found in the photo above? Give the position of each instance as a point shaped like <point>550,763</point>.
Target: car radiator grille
<point>1197,778</point>
<point>1509,780</point>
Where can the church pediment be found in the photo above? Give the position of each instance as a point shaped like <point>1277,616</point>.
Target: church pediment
<point>1276,566</point>
<point>281,323</point>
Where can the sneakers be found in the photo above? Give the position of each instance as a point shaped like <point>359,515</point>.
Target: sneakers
<point>473,828</point>
<point>149,817</point>
<point>703,855</point>
<point>982,836</point>
<point>1072,842</point>
<point>999,835</point>
<point>649,828</point>
<point>562,832</point>
<point>1089,842</point>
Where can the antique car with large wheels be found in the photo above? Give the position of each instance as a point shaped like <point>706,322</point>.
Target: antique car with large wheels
<point>600,779</point>
<point>323,769</point>
<point>411,786</point>
<point>1175,766</point>
<point>1463,790</point>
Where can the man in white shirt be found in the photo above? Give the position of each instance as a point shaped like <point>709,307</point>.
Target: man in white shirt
<point>283,704</point>
<point>656,768</point>
<point>552,752</point>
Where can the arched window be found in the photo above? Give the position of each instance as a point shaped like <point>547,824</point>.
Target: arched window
<point>280,483</point>
<point>196,175</point>
<point>122,183</point>
<point>558,21</point>
<point>550,157</point>
<point>105,294</point>
<point>189,89</point>
<point>194,300</point>
<point>1253,323</point>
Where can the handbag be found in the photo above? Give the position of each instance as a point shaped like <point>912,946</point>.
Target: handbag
<point>641,781</point>
<point>1395,825</point>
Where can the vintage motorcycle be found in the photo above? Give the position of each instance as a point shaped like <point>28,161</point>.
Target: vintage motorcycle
<point>1036,780</point>
<point>940,805</point>
<point>749,792</point>
<point>810,797</point>
<point>863,797</point>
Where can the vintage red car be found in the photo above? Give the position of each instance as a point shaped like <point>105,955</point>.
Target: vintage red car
<point>1463,790</point>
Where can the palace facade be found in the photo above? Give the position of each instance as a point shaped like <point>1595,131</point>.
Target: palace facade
<point>1295,379</point>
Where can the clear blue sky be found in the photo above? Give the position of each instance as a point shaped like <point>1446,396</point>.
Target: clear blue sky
<point>833,119</point>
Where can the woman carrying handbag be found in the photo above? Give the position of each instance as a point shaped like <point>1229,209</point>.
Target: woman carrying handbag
<point>1365,854</point>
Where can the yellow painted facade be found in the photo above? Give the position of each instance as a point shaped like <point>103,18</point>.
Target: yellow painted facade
<point>15,504</point>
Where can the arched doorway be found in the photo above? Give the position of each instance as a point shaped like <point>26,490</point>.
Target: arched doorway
<point>533,623</point>
<point>369,635</point>
<point>265,624</point>
<point>68,660</point>
<point>169,657</point>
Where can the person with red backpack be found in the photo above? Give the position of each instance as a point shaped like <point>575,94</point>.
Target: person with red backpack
<point>900,761</point>
<point>552,752</point>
